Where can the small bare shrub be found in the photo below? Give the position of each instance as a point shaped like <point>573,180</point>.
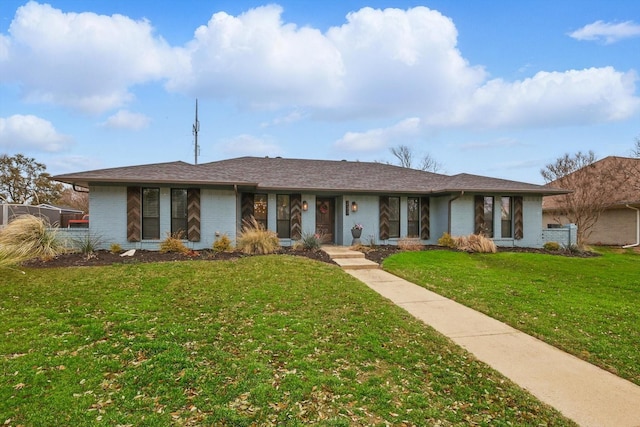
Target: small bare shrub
<point>447,241</point>
<point>222,244</point>
<point>115,248</point>
<point>173,244</point>
<point>254,239</point>
<point>28,237</point>
<point>410,244</point>
<point>551,246</point>
<point>476,243</point>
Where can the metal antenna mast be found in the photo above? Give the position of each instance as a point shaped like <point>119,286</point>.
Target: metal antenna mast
<point>196,129</point>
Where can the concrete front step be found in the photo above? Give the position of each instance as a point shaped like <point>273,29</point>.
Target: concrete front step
<point>349,259</point>
<point>356,263</point>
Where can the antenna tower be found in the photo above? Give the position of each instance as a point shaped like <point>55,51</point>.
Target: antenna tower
<point>196,129</point>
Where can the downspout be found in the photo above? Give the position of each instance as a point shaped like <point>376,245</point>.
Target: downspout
<point>637,243</point>
<point>451,200</point>
<point>238,223</point>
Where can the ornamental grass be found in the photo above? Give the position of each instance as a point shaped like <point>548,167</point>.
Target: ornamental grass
<point>28,237</point>
<point>255,239</point>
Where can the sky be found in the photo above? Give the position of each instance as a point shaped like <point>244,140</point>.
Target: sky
<point>497,88</point>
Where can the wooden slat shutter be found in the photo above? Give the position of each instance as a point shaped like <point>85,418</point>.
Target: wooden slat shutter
<point>296,216</point>
<point>479,214</point>
<point>384,217</point>
<point>518,221</point>
<point>134,214</point>
<point>193,214</point>
<point>246,206</point>
<point>425,226</point>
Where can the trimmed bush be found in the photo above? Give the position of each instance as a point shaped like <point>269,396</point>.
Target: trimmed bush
<point>222,244</point>
<point>254,239</point>
<point>173,244</point>
<point>447,241</point>
<point>551,246</point>
<point>115,248</point>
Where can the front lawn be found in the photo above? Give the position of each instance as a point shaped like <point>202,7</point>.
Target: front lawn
<point>271,340</point>
<point>589,307</point>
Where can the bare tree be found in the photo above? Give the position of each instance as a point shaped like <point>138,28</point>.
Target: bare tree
<point>635,151</point>
<point>403,154</point>
<point>590,181</point>
<point>405,159</point>
<point>429,164</point>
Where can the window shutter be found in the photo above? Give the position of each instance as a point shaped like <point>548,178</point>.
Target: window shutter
<point>296,216</point>
<point>384,217</point>
<point>518,226</point>
<point>425,226</point>
<point>479,214</point>
<point>134,206</point>
<point>193,214</point>
<point>246,207</point>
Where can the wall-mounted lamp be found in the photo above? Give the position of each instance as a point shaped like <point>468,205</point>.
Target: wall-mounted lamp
<point>354,207</point>
<point>305,205</point>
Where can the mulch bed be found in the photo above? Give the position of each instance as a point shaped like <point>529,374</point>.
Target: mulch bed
<point>376,254</point>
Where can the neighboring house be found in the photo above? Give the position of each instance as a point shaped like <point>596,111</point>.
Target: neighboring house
<point>619,223</point>
<point>138,206</point>
<point>53,215</point>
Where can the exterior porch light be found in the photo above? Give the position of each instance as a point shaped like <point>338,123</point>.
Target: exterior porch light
<point>305,205</point>
<point>354,207</point>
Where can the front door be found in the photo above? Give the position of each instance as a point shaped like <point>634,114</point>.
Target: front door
<point>325,219</point>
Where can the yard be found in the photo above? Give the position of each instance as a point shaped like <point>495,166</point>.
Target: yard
<point>269,340</point>
<point>589,307</point>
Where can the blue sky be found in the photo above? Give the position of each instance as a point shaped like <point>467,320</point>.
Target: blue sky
<point>496,88</point>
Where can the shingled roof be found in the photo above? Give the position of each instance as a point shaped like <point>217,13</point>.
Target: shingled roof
<point>623,173</point>
<point>268,173</point>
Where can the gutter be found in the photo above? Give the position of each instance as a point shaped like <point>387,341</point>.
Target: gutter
<point>451,200</point>
<point>637,243</point>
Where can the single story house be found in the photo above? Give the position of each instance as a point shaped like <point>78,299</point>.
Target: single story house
<point>138,206</point>
<point>619,194</point>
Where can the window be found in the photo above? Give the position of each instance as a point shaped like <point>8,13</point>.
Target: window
<point>413,217</point>
<point>488,216</point>
<point>150,213</point>
<point>179,212</point>
<point>284,216</point>
<point>507,217</point>
<point>260,209</point>
<point>394,217</point>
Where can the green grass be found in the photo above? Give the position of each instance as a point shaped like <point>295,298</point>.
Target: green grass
<point>589,307</point>
<point>270,340</point>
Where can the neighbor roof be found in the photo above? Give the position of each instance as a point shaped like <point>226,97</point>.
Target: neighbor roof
<point>624,172</point>
<point>269,173</point>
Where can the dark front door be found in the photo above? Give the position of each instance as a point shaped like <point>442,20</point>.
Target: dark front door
<point>325,219</point>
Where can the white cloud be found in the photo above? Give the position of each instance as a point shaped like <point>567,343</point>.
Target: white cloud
<point>380,138</point>
<point>593,95</point>
<point>81,60</point>
<point>248,145</point>
<point>27,132</point>
<point>259,61</point>
<point>387,63</point>
<point>124,119</point>
<point>607,32</point>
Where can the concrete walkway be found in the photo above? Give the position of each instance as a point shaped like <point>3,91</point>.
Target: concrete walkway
<point>588,395</point>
